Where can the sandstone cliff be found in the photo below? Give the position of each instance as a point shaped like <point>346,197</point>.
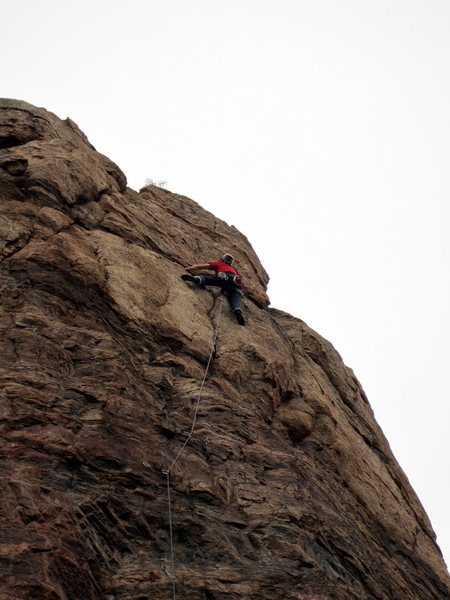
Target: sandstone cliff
<point>288,489</point>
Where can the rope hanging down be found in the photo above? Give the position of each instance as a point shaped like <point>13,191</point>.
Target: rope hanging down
<point>166,472</point>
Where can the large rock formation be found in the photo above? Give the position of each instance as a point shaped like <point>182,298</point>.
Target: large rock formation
<point>288,488</point>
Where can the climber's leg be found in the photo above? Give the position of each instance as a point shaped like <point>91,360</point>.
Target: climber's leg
<point>203,280</point>
<point>234,297</point>
<point>210,280</point>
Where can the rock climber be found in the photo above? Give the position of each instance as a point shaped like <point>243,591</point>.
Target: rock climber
<point>226,277</point>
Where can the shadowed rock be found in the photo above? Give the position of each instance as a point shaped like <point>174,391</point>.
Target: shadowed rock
<point>288,489</point>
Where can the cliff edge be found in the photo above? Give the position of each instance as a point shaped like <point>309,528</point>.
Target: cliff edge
<point>288,488</point>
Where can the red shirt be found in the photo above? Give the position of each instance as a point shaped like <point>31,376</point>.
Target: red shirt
<point>222,267</point>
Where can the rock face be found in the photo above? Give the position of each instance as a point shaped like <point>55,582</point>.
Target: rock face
<point>287,489</point>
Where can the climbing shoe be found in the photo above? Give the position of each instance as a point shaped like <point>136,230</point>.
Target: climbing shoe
<point>239,316</point>
<point>192,278</point>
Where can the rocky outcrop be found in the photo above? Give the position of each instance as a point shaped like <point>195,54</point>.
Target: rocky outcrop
<point>288,488</point>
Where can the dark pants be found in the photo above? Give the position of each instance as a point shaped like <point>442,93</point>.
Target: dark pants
<point>229,288</point>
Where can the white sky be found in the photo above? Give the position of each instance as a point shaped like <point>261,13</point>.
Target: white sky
<point>321,130</point>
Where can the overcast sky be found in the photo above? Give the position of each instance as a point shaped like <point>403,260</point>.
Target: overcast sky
<point>321,130</point>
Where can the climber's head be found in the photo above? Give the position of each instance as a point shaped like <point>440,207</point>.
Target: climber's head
<point>227,258</point>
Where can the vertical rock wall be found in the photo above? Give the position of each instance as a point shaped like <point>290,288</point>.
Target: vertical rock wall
<point>288,489</point>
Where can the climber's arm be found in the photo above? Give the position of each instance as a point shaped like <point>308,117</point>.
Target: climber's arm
<point>198,267</point>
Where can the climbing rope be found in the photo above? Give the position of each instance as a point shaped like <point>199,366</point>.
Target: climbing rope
<point>166,472</point>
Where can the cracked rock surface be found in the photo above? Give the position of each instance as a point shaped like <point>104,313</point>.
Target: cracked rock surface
<point>288,489</point>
